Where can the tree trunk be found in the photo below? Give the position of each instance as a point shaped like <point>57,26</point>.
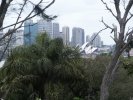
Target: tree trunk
<point>109,76</point>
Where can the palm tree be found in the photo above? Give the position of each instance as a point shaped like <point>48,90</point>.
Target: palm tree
<point>29,68</point>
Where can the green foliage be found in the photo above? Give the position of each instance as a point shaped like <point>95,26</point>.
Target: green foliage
<point>121,88</point>
<point>128,65</point>
<point>94,71</point>
<point>77,98</point>
<point>49,70</point>
<point>31,68</point>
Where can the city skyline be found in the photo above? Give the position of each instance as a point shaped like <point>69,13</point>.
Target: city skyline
<point>80,13</point>
<point>31,30</point>
<point>86,14</point>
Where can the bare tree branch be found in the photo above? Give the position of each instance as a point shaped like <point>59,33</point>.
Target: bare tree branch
<point>130,37</point>
<point>119,48</point>
<point>3,9</point>
<point>27,18</point>
<point>109,9</point>
<point>20,23</point>
<point>131,15</point>
<point>106,25</point>
<point>97,35</point>
<point>117,4</point>
<point>127,33</point>
<point>130,3</point>
<point>12,32</point>
<point>114,29</point>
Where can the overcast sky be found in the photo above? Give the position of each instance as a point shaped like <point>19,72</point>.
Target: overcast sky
<point>85,14</point>
<point>82,13</point>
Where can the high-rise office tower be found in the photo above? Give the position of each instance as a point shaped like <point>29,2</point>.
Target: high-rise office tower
<point>77,36</point>
<point>56,32</point>
<point>12,41</point>
<point>66,35</point>
<point>30,32</point>
<point>17,39</point>
<point>1,33</point>
<point>87,38</point>
<point>19,35</point>
<point>45,26</point>
<point>96,40</point>
<point>1,44</point>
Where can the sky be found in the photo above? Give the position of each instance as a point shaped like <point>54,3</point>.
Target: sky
<point>85,14</point>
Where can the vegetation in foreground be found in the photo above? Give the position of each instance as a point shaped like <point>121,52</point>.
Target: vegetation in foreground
<point>49,70</point>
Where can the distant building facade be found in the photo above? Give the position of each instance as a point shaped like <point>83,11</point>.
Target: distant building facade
<point>77,36</point>
<point>19,35</point>
<point>45,26</point>
<point>30,32</point>
<point>87,38</point>
<point>56,32</point>
<point>66,35</point>
<point>2,46</point>
<point>96,40</point>
<point>17,39</point>
<point>1,33</point>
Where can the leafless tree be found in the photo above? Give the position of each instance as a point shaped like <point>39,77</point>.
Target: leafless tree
<point>120,37</point>
<point>37,9</point>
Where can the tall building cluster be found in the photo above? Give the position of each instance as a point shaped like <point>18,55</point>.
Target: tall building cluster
<point>74,37</point>
<point>31,30</point>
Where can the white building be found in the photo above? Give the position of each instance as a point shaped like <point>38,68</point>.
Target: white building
<point>66,35</point>
<point>45,26</point>
<point>78,36</point>
<point>2,63</point>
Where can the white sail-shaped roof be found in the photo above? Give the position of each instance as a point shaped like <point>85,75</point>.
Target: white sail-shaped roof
<point>2,63</point>
<point>90,49</point>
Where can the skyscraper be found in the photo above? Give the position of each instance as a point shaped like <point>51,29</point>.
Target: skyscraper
<point>87,38</point>
<point>56,32</point>
<point>66,35</point>
<point>45,26</point>
<point>1,34</point>
<point>11,45</point>
<point>19,35</point>
<point>1,43</point>
<point>17,39</point>
<point>96,40</point>
<point>77,36</point>
<point>30,32</point>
